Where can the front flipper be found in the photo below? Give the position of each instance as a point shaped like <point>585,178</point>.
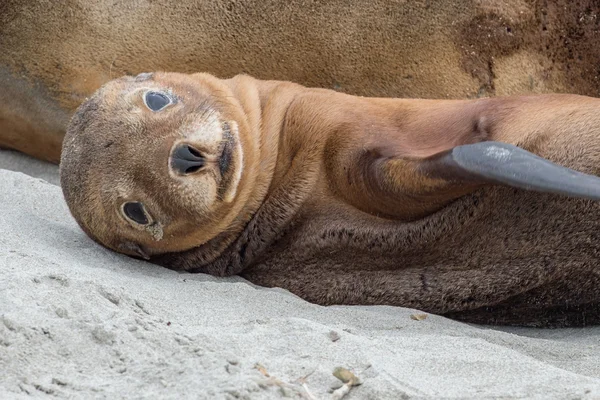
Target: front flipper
<point>407,159</point>
<point>505,164</point>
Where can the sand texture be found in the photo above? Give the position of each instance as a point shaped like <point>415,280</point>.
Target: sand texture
<point>79,321</point>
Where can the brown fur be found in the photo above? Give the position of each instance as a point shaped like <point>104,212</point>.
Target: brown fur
<point>331,206</point>
<point>55,54</point>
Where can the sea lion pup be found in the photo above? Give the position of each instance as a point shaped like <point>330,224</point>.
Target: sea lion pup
<point>427,204</point>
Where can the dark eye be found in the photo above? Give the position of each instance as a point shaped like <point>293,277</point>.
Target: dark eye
<point>135,212</point>
<point>157,101</point>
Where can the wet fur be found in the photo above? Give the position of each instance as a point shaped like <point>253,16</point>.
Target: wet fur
<point>54,55</point>
<point>322,230</point>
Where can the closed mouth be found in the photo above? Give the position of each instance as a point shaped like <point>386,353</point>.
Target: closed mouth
<point>230,175</point>
<point>226,153</point>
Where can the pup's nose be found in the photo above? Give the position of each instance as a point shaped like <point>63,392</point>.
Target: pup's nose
<point>186,160</point>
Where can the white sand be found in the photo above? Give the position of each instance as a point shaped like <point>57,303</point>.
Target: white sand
<point>79,321</point>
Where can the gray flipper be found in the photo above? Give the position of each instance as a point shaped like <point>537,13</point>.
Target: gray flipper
<point>505,164</point>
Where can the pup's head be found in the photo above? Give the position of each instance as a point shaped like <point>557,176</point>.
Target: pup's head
<point>158,163</point>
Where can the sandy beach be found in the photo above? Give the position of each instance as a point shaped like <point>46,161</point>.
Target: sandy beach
<point>80,321</point>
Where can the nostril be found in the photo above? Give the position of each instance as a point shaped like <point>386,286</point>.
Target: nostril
<point>186,159</point>
<point>187,152</point>
<point>192,169</point>
<point>193,151</point>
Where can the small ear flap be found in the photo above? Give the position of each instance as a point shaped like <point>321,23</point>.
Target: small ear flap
<point>131,247</point>
<point>505,164</point>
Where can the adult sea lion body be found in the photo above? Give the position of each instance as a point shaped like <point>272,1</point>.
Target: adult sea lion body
<point>55,54</point>
<point>348,200</point>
